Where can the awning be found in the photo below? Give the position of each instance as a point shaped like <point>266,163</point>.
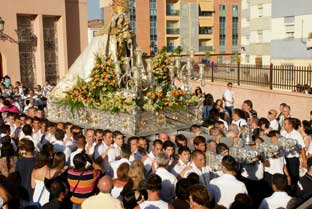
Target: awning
<point>206,5</point>
<point>205,22</point>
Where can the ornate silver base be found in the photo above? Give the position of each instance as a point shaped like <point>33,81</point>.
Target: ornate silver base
<point>139,123</point>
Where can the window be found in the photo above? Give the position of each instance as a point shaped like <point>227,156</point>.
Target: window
<point>247,58</point>
<point>289,23</point>
<point>260,36</point>
<point>132,15</point>
<point>235,28</point>
<point>260,11</point>
<point>220,59</point>
<point>153,26</point>
<point>222,27</point>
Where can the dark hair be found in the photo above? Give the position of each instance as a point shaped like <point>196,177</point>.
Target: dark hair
<point>5,129</point>
<point>117,133</point>
<point>249,103</point>
<point>182,189</point>
<point>27,145</point>
<point>200,195</point>
<point>221,147</point>
<point>273,133</point>
<point>107,131</point>
<point>280,181</point>
<point>153,183</point>
<point>157,141</point>
<point>183,149</point>
<point>198,140</point>
<point>229,163</point>
<point>59,134</point>
<point>180,137</point>
<point>7,103</point>
<point>100,131</point>
<point>56,188</point>
<point>80,161</point>
<point>122,172</point>
<point>242,201</point>
<point>296,123</point>
<point>195,153</point>
<point>48,147</point>
<point>59,159</point>
<point>43,159</point>
<point>265,122</point>
<point>239,112</point>
<point>168,144</point>
<point>125,150</point>
<point>27,130</point>
<point>193,178</point>
<point>132,138</point>
<point>229,83</point>
<point>208,101</point>
<point>309,163</point>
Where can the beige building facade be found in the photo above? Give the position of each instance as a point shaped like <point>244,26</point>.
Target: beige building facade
<point>41,39</point>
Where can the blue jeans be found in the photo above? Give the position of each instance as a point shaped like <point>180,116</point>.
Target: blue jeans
<point>229,109</point>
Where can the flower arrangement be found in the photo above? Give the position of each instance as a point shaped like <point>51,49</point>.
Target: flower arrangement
<point>160,65</point>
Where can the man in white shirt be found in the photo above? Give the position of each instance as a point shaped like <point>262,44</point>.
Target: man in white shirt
<point>125,154</point>
<point>279,199</point>
<point>167,192</point>
<point>101,152</point>
<point>199,167</point>
<point>226,187</point>
<point>156,149</point>
<point>292,158</point>
<point>228,99</point>
<point>81,143</point>
<point>90,146</point>
<point>184,162</point>
<point>59,145</point>
<point>274,125</point>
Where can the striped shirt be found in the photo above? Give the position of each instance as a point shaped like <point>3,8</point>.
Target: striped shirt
<point>85,186</point>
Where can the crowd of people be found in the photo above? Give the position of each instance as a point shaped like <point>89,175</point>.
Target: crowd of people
<point>59,165</point>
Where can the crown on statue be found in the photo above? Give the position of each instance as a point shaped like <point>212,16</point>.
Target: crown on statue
<point>120,6</point>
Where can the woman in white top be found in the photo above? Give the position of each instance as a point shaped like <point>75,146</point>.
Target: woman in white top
<point>40,172</point>
<point>121,181</point>
<point>237,118</point>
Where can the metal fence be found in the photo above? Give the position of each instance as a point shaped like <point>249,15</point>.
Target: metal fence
<point>288,77</point>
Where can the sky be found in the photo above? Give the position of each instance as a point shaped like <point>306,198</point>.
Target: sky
<point>94,11</point>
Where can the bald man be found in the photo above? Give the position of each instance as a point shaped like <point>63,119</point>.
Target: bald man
<point>104,199</point>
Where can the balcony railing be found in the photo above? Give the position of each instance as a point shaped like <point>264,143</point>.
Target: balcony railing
<point>205,48</point>
<point>205,13</point>
<point>173,31</point>
<point>173,12</point>
<point>205,30</point>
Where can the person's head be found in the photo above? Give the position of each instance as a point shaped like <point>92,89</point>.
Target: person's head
<point>193,178</point>
<point>118,138</point>
<point>48,147</point>
<point>286,111</point>
<point>163,137</point>
<point>11,118</point>
<point>230,85</point>
<point>153,183</point>
<point>242,201</point>
<point>81,141</point>
<point>211,145</point>
<point>107,137</point>
<point>105,184</point>
<point>282,105</point>
<point>195,129</point>
<point>288,124</point>
<point>80,161</point>
<point>228,164</point>
<point>90,136</point>
<point>133,142</point>
<point>296,123</point>
<point>200,143</point>
<point>39,113</point>
<point>198,158</point>
<point>279,182</point>
<point>237,114</point>
<point>43,159</point>
<point>58,161</point>
<point>184,154</point>
<point>162,159</point>
<point>222,149</point>
<point>98,135</point>
<point>263,123</point>
<point>136,173</point>
<point>247,105</point>
<point>27,145</point>
<point>60,125</point>
<point>143,142</point>
<point>272,114</point>
<point>169,148</point>
<point>199,196</point>
<point>122,172</point>
<point>58,190</point>
<point>125,151</point>
<point>157,147</point>
<point>59,134</point>
<point>198,91</point>
<point>181,140</point>
<point>7,149</point>
<point>219,104</point>
<point>27,130</point>
<point>75,131</point>
<point>182,189</point>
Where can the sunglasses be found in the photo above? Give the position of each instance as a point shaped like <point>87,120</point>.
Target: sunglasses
<point>270,113</point>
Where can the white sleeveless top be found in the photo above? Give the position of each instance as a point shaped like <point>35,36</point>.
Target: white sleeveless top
<point>41,194</point>
<point>159,204</point>
<point>116,192</point>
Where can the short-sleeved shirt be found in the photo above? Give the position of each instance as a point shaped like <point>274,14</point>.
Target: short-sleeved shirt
<point>300,143</point>
<point>85,186</point>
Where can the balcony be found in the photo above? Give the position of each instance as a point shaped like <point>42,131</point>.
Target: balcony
<point>173,12</point>
<point>205,13</point>
<point>205,48</point>
<point>205,30</point>
<point>173,31</point>
<point>170,48</point>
